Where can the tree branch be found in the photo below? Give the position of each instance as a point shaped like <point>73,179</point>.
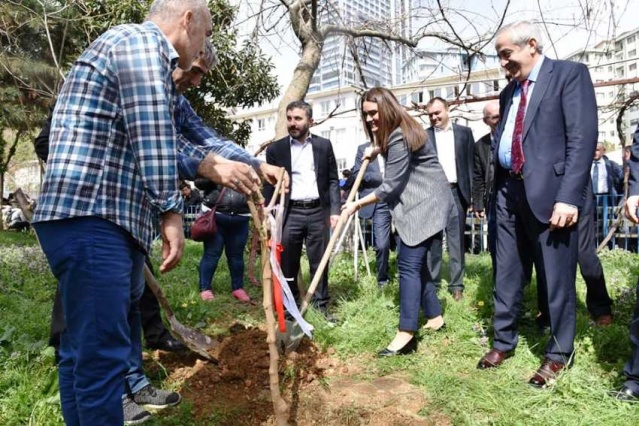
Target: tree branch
<point>356,33</point>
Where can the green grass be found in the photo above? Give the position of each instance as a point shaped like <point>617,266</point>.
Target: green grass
<point>444,366</point>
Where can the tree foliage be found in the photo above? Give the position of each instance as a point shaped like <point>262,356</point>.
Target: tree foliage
<point>40,39</point>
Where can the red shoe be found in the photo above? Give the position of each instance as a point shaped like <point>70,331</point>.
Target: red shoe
<point>241,295</point>
<point>207,295</point>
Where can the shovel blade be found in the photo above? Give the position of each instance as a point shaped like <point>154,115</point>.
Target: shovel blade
<point>290,340</point>
<point>194,340</point>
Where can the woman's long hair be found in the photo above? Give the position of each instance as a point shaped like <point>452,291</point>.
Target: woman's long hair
<point>391,116</point>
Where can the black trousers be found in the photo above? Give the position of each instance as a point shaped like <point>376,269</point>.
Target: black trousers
<point>152,325</point>
<point>455,230</point>
<point>310,227</point>
<point>631,369</point>
<point>597,299</point>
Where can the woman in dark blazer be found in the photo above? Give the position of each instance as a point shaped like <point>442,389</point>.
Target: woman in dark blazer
<point>418,194</point>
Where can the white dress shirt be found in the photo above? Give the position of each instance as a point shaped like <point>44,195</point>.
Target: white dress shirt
<point>303,177</point>
<point>602,178</point>
<point>445,141</point>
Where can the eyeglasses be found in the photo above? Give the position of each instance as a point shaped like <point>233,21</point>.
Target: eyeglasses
<point>491,117</point>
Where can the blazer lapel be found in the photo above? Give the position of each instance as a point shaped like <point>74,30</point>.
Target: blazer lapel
<point>286,155</point>
<point>431,137</point>
<point>541,85</point>
<point>316,156</point>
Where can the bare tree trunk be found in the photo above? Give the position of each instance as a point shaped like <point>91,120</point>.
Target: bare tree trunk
<point>296,90</point>
<point>2,224</point>
<point>23,204</point>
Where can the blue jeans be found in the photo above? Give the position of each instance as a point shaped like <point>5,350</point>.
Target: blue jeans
<point>99,268</point>
<point>416,285</point>
<point>231,236</point>
<point>382,235</point>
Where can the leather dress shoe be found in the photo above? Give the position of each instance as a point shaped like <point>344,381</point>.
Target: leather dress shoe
<point>625,394</point>
<point>168,343</point>
<point>458,295</point>
<point>493,358</point>
<point>548,371</point>
<point>409,347</point>
<point>603,320</point>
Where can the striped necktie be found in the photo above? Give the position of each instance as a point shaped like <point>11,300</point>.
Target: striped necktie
<point>517,149</point>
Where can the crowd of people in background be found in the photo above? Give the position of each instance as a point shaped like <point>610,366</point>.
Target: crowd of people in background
<point>534,177</point>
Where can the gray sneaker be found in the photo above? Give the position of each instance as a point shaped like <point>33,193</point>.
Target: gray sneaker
<point>156,399</point>
<point>133,413</point>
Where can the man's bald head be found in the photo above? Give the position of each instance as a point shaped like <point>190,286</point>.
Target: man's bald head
<point>491,115</point>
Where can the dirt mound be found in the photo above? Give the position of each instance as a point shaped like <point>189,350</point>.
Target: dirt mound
<point>318,387</point>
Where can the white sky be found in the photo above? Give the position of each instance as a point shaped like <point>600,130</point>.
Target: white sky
<point>568,32</point>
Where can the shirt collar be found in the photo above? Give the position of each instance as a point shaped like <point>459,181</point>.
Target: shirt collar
<point>173,54</point>
<point>292,139</point>
<point>534,74</point>
<point>448,128</point>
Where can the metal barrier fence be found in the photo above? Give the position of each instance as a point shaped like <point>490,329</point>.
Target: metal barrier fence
<point>606,213</point>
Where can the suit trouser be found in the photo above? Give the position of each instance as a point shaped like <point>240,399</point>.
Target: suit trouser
<point>521,236</point>
<point>152,326</point>
<point>416,285</point>
<point>597,299</point>
<point>382,234</point>
<point>99,268</point>
<point>310,226</point>
<point>455,229</point>
<point>631,369</point>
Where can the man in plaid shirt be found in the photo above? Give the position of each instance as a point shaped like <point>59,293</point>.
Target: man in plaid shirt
<point>110,179</point>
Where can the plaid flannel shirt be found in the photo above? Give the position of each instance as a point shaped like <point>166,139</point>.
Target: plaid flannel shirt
<point>190,126</point>
<point>113,145</point>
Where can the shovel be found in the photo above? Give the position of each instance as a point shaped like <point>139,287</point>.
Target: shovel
<point>196,341</point>
<point>290,340</point>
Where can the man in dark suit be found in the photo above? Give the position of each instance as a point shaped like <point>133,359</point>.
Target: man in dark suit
<point>378,212</point>
<point>312,206</point>
<point>454,145</point>
<point>607,182</point>
<point>630,389</point>
<point>546,138</point>
<point>484,173</point>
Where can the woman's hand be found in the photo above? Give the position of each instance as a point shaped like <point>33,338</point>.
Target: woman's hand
<point>350,208</point>
<point>370,153</point>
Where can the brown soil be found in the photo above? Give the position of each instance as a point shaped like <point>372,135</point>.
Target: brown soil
<point>319,388</point>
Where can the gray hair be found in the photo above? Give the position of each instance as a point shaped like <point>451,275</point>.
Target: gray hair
<point>521,32</point>
<point>308,109</point>
<point>209,55</point>
<point>166,10</point>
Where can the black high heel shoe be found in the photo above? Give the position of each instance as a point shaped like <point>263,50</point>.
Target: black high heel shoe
<point>408,348</point>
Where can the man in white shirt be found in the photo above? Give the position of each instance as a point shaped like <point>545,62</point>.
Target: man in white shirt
<point>455,149</point>
<point>313,202</point>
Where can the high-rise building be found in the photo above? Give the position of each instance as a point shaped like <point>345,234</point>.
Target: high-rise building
<point>614,60</point>
<point>431,58</point>
<point>338,67</point>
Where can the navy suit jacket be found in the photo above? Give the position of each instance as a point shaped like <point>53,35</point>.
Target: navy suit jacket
<point>371,180</point>
<point>560,135</point>
<point>464,158</point>
<point>279,154</point>
<point>614,176</point>
<point>633,165</point>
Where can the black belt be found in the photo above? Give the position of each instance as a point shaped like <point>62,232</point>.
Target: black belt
<point>305,204</point>
<point>453,184</point>
<point>518,176</point>
<point>511,174</point>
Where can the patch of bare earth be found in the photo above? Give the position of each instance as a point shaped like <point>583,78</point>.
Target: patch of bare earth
<point>319,388</point>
